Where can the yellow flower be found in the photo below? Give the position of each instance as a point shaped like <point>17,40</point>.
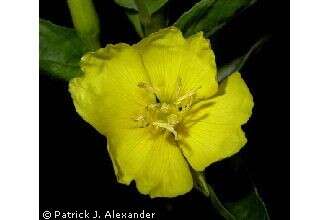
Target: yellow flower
<point>159,105</point>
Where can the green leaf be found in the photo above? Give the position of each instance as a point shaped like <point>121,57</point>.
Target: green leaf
<point>152,5</point>
<point>210,15</point>
<point>134,18</point>
<point>60,50</point>
<point>246,204</point>
<point>238,63</point>
<point>217,204</point>
<point>250,207</point>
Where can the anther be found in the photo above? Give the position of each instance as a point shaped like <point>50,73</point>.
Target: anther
<point>165,107</point>
<point>147,87</point>
<point>179,86</point>
<point>172,119</point>
<point>141,120</point>
<point>153,106</point>
<point>166,126</point>
<point>185,96</point>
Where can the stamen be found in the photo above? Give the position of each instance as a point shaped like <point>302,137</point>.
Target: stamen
<point>172,119</point>
<point>153,106</point>
<point>189,95</point>
<point>141,121</point>
<point>166,116</point>
<point>139,118</point>
<point>148,88</point>
<point>165,107</point>
<point>179,86</point>
<point>166,126</point>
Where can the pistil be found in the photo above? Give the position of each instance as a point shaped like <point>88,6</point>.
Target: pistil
<point>166,116</point>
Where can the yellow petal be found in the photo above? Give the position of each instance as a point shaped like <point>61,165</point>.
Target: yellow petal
<point>107,95</point>
<point>171,60</point>
<point>156,164</point>
<point>213,129</point>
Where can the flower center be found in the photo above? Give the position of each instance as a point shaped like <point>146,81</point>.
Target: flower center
<point>165,117</point>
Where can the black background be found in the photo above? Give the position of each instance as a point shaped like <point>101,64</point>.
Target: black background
<point>75,169</point>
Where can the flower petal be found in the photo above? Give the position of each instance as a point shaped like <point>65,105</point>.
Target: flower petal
<point>156,164</point>
<point>213,129</point>
<point>107,95</point>
<point>170,60</point>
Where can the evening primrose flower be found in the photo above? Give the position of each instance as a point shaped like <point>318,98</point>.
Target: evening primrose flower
<point>159,104</point>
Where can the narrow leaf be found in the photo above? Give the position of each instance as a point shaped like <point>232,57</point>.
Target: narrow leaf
<point>60,50</point>
<point>250,207</point>
<point>134,18</point>
<point>238,63</point>
<point>210,15</point>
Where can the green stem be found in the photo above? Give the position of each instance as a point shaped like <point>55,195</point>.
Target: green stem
<point>85,21</point>
<point>207,190</point>
<point>219,206</point>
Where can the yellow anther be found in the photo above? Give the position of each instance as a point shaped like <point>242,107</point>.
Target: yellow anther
<point>148,88</point>
<point>153,106</point>
<point>185,96</point>
<point>141,121</point>
<point>166,116</point>
<point>165,107</point>
<point>172,119</point>
<point>179,86</point>
<point>166,126</point>
<point>139,118</point>
<point>188,96</point>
